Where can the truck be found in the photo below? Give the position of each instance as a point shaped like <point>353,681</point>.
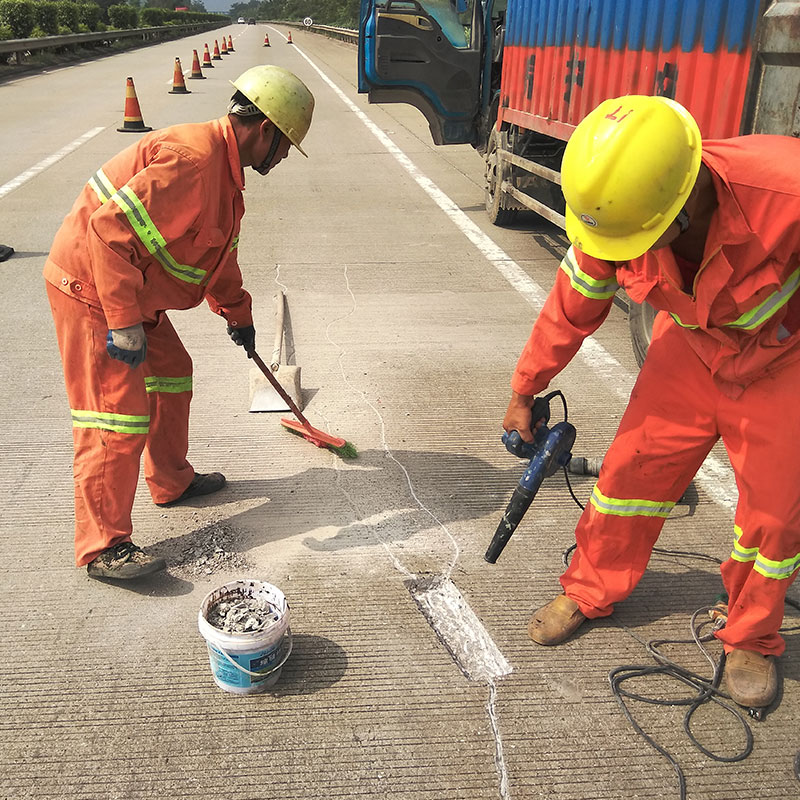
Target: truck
<point>513,78</point>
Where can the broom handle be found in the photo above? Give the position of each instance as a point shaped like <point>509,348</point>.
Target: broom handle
<point>278,345</point>
<point>278,388</point>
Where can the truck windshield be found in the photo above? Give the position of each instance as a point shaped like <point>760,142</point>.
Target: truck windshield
<point>454,16</point>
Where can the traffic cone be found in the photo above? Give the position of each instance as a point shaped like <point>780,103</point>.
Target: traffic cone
<point>207,59</point>
<point>230,45</point>
<point>289,38</point>
<point>178,83</point>
<point>197,73</point>
<point>266,40</point>
<point>216,56</point>
<point>224,47</point>
<point>132,122</point>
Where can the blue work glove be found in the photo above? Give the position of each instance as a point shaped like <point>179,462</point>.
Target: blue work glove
<point>128,345</point>
<point>244,337</point>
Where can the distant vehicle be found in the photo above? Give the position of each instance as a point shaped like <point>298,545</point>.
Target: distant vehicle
<point>240,20</point>
<point>251,21</point>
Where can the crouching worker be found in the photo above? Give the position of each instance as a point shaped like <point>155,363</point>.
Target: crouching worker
<point>707,233</point>
<point>156,228</point>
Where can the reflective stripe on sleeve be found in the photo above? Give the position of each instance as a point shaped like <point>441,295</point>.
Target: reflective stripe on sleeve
<point>583,282</point>
<point>630,508</point>
<point>235,244</point>
<point>168,385</point>
<point>764,310</point>
<point>120,423</point>
<point>779,570</point>
<point>102,186</point>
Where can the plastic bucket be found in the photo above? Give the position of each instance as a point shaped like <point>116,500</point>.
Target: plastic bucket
<point>246,663</point>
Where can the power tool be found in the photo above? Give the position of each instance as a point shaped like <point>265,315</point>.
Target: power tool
<point>549,452</point>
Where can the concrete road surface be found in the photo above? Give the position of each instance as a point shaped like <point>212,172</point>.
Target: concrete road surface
<point>406,312</point>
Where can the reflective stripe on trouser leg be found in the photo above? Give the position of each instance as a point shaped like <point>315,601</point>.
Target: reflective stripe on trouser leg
<point>761,429</point>
<point>663,438</point>
<point>110,410</point>
<point>169,384</point>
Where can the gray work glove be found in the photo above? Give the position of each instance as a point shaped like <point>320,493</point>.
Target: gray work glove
<point>244,337</point>
<point>128,345</point>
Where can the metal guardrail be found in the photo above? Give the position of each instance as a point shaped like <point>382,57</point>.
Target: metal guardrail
<point>22,46</point>
<point>344,34</point>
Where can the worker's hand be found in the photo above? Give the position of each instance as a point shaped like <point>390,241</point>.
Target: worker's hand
<point>128,345</point>
<point>518,416</point>
<point>245,337</point>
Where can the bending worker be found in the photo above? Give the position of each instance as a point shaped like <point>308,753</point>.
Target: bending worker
<point>156,228</point>
<point>708,234</point>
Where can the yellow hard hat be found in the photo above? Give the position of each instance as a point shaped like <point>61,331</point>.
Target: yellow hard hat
<point>626,173</point>
<point>282,97</point>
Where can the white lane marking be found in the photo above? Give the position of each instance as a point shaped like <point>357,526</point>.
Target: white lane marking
<point>715,476</point>
<point>15,183</point>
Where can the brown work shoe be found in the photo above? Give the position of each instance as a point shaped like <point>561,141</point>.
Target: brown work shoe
<point>201,484</point>
<point>124,561</point>
<point>556,621</point>
<point>751,678</point>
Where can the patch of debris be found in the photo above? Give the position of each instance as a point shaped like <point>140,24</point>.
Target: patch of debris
<point>240,614</point>
<point>209,550</point>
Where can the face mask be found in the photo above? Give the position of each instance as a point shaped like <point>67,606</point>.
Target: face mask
<point>264,167</point>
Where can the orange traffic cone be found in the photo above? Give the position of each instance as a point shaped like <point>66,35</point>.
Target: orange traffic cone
<point>132,122</point>
<point>178,83</point>
<point>207,59</point>
<point>216,56</point>
<point>197,73</point>
<point>230,45</point>
<point>224,48</point>
<point>289,38</point>
<point>266,40</point>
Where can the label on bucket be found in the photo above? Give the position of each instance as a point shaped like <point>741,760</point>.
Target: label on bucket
<point>259,661</point>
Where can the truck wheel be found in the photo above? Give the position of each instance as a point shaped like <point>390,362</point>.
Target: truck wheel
<point>640,321</point>
<point>495,169</point>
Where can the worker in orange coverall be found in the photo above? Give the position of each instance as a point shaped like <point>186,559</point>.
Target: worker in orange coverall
<point>156,228</point>
<point>709,234</point>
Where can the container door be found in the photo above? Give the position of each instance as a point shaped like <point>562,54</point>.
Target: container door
<point>427,54</point>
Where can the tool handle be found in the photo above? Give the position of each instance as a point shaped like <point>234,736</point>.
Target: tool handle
<point>277,347</point>
<point>277,387</point>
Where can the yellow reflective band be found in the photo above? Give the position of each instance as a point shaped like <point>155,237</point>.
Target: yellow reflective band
<point>168,385</point>
<point>235,244</point>
<point>778,570</point>
<point>683,324</point>
<point>120,423</point>
<point>764,310</point>
<point>630,508</point>
<point>102,186</point>
<point>583,282</point>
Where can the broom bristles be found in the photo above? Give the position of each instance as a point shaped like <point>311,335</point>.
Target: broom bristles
<point>347,450</point>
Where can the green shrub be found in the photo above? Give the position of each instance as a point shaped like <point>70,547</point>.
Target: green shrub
<point>67,14</point>
<point>123,16</point>
<point>45,13</point>
<point>6,32</point>
<point>152,17</point>
<point>19,16</point>
<point>89,15</point>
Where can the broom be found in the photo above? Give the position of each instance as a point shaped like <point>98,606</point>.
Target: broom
<point>341,447</point>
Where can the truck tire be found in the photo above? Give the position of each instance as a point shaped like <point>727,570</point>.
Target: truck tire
<point>495,172</point>
<point>640,323</point>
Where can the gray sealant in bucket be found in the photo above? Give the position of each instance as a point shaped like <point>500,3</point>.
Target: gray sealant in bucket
<point>246,628</point>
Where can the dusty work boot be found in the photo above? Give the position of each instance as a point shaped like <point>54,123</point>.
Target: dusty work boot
<point>124,561</point>
<point>556,621</point>
<point>201,484</point>
<point>751,678</point>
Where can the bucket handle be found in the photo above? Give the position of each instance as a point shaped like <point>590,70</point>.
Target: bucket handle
<point>288,635</point>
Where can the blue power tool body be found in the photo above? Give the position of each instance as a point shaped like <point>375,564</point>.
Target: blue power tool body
<point>550,451</point>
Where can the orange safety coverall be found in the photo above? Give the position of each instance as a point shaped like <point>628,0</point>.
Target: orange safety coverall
<point>724,362</point>
<point>155,228</point>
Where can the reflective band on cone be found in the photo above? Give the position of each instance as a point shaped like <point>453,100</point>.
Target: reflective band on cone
<point>216,56</point>
<point>266,40</point>
<point>197,73</point>
<point>224,47</point>
<point>132,121</point>
<point>289,38</point>
<point>178,83</point>
<point>207,58</point>
<point>230,45</point>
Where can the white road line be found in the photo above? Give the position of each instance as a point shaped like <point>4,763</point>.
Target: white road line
<point>715,476</point>
<point>15,183</point>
